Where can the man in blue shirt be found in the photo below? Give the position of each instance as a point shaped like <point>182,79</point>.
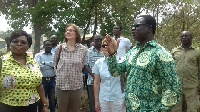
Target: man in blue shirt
<point>45,61</point>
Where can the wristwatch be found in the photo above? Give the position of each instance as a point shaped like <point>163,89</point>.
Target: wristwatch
<point>43,62</point>
<point>45,105</point>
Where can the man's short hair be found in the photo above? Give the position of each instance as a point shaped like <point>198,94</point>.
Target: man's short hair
<point>53,36</point>
<point>46,41</point>
<point>150,21</point>
<point>189,33</point>
<point>98,36</point>
<point>120,27</point>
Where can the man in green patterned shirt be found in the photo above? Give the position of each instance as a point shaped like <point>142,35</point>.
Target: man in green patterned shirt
<point>152,81</point>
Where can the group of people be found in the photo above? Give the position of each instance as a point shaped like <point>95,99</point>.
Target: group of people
<point>121,78</point>
<point>157,80</point>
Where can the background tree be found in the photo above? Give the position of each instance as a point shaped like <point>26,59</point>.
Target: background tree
<point>4,34</point>
<point>37,13</point>
<point>99,16</point>
<point>177,17</point>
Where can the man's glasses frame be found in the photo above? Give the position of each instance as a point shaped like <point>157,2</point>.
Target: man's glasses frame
<point>135,26</point>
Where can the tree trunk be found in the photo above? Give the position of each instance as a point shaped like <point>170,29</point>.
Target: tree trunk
<point>95,22</point>
<point>85,30</point>
<point>37,30</point>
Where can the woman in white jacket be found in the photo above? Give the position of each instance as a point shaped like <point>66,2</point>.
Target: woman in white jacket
<point>107,89</point>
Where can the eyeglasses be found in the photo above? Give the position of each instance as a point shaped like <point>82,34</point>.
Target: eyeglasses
<point>135,26</point>
<point>104,45</point>
<point>70,30</point>
<point>21,42</point>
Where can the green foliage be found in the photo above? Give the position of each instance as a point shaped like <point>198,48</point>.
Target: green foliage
<point>184,17</point>
<point>18,18</point>
<point>106,27</point>
<point>53,15</point>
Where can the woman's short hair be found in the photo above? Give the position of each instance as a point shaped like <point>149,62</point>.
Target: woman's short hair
<point>77,31</point>
<point>17,33</point>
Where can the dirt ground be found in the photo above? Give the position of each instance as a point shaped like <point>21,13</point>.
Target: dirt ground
<point>84,102</point>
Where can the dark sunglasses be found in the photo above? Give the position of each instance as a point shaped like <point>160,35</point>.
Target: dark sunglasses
<point>103,46</point>
<point>135,26</point>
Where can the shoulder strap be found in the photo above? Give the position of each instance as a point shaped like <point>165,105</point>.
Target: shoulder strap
<point>59,54</point>
<point>0,65</point>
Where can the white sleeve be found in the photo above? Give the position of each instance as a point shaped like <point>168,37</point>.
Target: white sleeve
<point>95,68</point>
<point>128,43</point>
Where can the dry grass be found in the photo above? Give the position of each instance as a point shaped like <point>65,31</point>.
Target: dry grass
<point>84,102</point>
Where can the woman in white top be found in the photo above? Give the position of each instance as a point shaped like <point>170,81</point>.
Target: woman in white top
<point>107,89</point>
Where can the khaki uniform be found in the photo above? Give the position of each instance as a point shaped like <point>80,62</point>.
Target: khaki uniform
<point>188,67</point>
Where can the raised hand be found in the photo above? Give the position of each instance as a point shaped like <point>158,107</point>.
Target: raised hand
<point>112,45</point>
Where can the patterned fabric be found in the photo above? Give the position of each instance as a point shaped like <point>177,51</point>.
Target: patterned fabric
<point>110,87</point>
<point>188,66</point>
<point>152,81</point>
<point>69,74</point>
<point>92,56</point>
<point>18,82</point>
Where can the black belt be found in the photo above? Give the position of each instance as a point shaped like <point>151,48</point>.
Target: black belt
<point>48,78</point>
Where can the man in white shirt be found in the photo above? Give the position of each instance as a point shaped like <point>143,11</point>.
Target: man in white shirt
<point>124,46</point>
